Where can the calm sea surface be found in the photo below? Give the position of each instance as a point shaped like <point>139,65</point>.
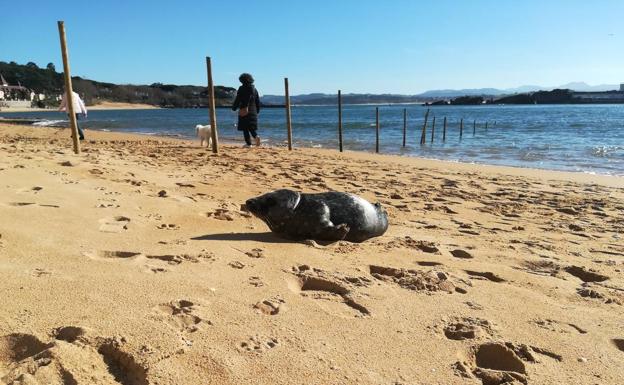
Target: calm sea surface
<point>585,138</point>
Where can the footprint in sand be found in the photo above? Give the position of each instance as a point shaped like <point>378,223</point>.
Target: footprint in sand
<point>417,280</point>
<point>270,306</point>
<point>258,344</point>
<point>112,254</point>
<point>586,275</point>
<point>618,343</point>
<point>180,315</point>
<point>468,328</point>
<point>40,272</point>
<point>25,359</point>
<point>168,226</point>
<point>332,290</point>
<point>462,254</point>
<point>484,275</point>
<point>114,225</point>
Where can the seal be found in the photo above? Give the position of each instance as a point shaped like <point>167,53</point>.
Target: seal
<point>330,216</point>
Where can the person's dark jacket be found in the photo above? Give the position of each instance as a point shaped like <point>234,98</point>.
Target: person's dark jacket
<point>247,96</point>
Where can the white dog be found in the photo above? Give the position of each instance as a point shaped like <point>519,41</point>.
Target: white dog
<point>204,133</point>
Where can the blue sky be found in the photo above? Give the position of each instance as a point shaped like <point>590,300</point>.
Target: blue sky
<point>375,46</point>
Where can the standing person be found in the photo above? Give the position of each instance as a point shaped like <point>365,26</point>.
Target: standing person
<point>79,109</point>
<point>248,104</point>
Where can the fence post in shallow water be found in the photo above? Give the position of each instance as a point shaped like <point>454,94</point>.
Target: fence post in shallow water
<point>444,131</point>
<point>69,96</point>
<point>432,128</point>
<point>474,127</point>
<point>211,108</point>
<point>486,124</point>
<point>404,125</point>
<point>377,129</point>
<point>461,128</point>
<point>340,120</point>
<point>288,121</point>
<point>424,129</point>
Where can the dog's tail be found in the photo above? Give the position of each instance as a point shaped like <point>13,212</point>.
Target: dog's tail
<point>197,129</point>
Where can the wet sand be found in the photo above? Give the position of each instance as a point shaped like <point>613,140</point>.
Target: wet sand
<point>133,263</point>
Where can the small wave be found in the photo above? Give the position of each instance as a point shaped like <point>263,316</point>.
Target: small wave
<point>50,123</point>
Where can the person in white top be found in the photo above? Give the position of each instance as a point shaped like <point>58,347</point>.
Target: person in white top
<point>79,109</point>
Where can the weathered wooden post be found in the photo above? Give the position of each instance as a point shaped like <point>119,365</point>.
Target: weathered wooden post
<point>444,131</point>
<point>404,125</point>
<point>433,128</point>
<point>69,95</point>
<point>288,122</point>
<point>377,129</point>
<point>486,124</point>
<point>212,108</point>
<point>340,120</point>
<point>424,129</point>
<point>461,128</point>
<point>474,127</point>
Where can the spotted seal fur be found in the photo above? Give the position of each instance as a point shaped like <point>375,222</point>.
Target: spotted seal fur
<point>330,216</point>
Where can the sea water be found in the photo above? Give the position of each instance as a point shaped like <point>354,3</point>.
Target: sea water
<point>584,138</point>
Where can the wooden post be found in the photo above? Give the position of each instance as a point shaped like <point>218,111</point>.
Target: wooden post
<point>404,125</point>
<point>486,124</point>
<point>461,128</point>
<point>432,128</point>
<point>69,95</point>
<point>377,129</point>
<point>288,123</point>
<point>340,120</point>
<point>474,127</point>
<point>211,108</point>
<point>444,131</point>
<point>424,129</point>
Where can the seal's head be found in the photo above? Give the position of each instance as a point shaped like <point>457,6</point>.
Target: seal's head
<point>274,208</point>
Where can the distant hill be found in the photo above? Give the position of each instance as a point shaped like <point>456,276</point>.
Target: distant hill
<point>331,99</point>
<point>574,86</point>
<point>49,82</point>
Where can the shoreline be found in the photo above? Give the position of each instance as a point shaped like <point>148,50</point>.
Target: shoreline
<point>97,107</point>
<point>579,176</point>
<point>448,161</point>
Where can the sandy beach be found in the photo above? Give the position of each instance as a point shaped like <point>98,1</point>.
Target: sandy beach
<point>100,106</point>
<point>133,263</point>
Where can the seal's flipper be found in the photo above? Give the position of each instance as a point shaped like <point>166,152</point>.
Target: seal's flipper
<point>333,233</point>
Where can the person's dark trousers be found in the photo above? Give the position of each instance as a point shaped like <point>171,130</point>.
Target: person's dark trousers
<point>80,133</point>
<point>246,133</point>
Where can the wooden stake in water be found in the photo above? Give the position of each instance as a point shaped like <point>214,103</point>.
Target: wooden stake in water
<point>423,135</point>
<point>404,125</point>
<point>69,94</point>
<point>486,124</point>
<point>288,122</point>
<point>461,128</point>
<point>474,127</point>
<point>377,129</point>
<point>444,131</point>
<point>432,128</point>
<point>340,120</point>
<point>212,108</point>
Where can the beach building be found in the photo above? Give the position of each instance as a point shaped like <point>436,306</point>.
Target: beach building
<point>15,96</point>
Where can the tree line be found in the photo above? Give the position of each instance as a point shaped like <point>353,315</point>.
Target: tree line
<point>50,83</point>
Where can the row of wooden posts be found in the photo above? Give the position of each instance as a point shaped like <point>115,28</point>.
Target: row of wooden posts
<point>213,116</point>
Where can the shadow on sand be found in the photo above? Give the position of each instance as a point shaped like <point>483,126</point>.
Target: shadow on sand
<point>266,237</point>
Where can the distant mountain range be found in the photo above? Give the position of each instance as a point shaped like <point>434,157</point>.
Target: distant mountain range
<point>574,86</point>
<point>320,98</point>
